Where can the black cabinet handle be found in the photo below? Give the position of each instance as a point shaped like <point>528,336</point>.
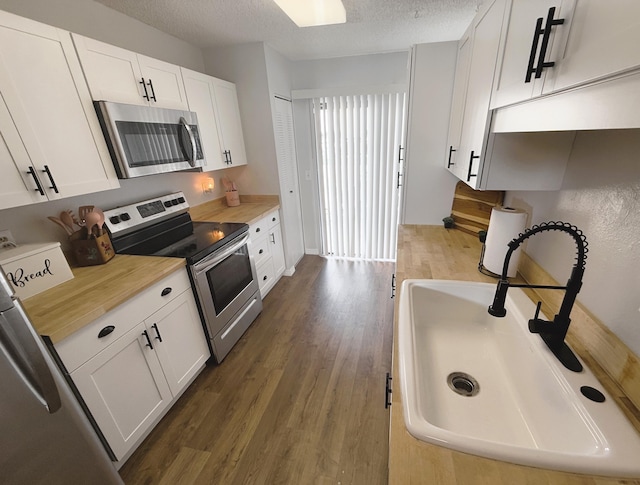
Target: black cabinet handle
<point>264,278</point>
<point>471,159</point>
<point>551,22</point>
<point>53,182</point>
<point>166,291</point>
<point>153,93</point>
<point>387,391</point>
<point>106,331</point>
<point>273,238</point>
<point>534,48</point>
<point>400,148</point>
<point>146,335</point>
<point>230,158</point>
<point>258,229</point>
<point>274,219</point>
<point>393,285</point>
<point>155,327</point>
<point>398,184</point>
<point>261,251</point>
<point>35,177</point>
<point>146,93</point>
<point>451,150</point>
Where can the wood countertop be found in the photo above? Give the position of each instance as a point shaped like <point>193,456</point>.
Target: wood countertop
<point>64,309</point>
<point>95,290</point>
<point>252,208</point>
<point>436,253</point>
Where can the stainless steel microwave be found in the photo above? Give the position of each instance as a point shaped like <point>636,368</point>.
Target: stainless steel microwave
<point>144,141</point>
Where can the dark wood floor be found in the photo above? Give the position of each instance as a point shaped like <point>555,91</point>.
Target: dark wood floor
<point>300,398</point>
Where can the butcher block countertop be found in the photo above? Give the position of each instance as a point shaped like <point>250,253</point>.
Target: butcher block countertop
<point>252,208</point>
<point>433,252</point>
<point>64,309</point>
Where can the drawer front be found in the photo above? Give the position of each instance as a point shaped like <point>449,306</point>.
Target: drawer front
<point>260,250</point>
<point>273,219</point>
<point>259,229</point>
<point>84,344</point>
<point>266,276</point>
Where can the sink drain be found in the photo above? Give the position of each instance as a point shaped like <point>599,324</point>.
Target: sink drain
<point>463,384</point>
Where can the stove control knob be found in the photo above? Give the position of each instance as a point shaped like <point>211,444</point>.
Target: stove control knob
<point>125,216</point>
<point>167,203</point>
<point>114,220</point>
<point>181,200</point>
<point>174,202</point>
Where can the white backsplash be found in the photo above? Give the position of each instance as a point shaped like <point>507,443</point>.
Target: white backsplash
<point>600,195</point>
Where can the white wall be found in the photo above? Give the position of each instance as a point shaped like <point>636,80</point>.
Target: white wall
<point>29,223</point>
<point>601,195</point>
<point>94,20</point>
<point>371,70</point>
<point>429,187</point>
<point>350,74</point>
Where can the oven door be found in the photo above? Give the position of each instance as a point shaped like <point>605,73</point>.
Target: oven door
<point>225,281</point>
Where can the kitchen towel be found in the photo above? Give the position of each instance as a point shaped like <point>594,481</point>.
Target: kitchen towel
<point>505,224</point>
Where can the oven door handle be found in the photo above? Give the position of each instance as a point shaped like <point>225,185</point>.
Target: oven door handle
<point>210,261</point>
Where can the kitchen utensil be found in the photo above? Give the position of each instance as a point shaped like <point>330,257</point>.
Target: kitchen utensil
<point>82,211</point>
<point>75,220</point>
<point>92,219</point>
<point>62,225</point>
<point>66,219</point>
<point>100,222</point>
<point>227,184</point>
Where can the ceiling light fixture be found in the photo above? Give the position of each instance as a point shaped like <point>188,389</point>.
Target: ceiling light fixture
<point>310,13</point>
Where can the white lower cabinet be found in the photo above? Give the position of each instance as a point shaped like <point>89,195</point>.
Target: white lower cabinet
<point>267,251</point>
<point>131,365</point>
<point>125,390</point>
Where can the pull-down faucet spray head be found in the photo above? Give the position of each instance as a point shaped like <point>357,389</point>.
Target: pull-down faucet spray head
<point>553,333</point>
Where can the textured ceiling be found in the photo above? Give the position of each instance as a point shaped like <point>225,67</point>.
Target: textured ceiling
<point>373,26</point>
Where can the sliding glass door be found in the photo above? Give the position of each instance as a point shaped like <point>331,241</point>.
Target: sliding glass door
<point>359,142</point>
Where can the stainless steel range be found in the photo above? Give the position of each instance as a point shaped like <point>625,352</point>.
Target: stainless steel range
<point>222,274</point>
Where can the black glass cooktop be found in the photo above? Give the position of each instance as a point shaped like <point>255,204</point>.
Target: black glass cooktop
<point>205,239</point>
<point>179,237</point>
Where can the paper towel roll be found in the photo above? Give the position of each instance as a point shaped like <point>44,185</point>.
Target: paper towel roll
<point>505,224</point>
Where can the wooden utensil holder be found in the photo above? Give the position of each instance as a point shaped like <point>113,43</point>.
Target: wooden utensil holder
<point>233,198</point>
<point>90,252</point>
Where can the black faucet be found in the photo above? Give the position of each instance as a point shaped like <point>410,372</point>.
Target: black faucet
<point>553,333</point>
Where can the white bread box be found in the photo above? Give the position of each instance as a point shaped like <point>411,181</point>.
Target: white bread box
<point>34,268</point>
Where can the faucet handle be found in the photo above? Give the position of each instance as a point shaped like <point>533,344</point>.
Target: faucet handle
<point>538,306</point>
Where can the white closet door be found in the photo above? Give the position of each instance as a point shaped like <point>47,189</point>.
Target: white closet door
<point>289,186</point>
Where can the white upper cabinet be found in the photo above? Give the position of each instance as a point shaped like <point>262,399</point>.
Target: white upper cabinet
<point>52,145</point>
<point>119,75</point>
<point>520,51</point>
<point>550,46</point>
<point>600,39</point>
<point>231,136</point>
<point>216,103</point>
<point>454,164</point>
<point>480,44</point>
<point>201,98</point>
<point>483,159</point>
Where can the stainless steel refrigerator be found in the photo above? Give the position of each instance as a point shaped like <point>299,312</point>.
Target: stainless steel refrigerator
<point>44,435</point>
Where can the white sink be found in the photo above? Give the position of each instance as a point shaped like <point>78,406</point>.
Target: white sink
<point>527,408</point>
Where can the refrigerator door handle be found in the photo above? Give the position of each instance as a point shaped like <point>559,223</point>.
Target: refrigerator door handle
<point>19,345</point>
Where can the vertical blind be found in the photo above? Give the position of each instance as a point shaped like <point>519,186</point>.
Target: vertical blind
<point>358,139</point>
